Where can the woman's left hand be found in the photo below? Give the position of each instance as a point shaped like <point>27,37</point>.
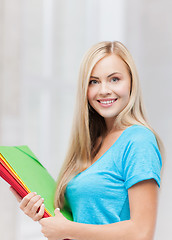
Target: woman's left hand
<point>55,228</point>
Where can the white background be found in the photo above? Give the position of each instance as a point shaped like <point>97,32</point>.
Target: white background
<point>41,46</point>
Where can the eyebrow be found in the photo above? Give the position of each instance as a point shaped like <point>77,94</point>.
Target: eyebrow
<point>107,76</point>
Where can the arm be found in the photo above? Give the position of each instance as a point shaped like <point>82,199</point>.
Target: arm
<point>143,209</point>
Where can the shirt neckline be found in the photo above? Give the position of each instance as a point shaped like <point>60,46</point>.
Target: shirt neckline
<point>118,139</point>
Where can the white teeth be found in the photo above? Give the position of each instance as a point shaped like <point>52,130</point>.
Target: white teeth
<point>107,102</point>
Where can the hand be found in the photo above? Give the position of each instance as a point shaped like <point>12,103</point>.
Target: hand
<point>32,205</point>
<point>55,228</point>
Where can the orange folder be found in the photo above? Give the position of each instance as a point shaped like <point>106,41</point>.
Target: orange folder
<point>23,171</point>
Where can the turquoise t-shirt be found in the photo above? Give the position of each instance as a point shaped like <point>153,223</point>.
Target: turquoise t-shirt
<point>99,195</point>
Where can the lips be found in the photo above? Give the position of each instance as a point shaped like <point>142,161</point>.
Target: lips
<point>107,102</point>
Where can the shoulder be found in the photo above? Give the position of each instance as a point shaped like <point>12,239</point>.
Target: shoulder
<point>141,145</point>
<point>140,133</point>
<point>141,158</point>
<point>141,142</point>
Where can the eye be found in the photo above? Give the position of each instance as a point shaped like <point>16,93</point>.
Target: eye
<point>93,82</point>
<point>114,79</point>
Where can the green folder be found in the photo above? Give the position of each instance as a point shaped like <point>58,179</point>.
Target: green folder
<point>20,161</point>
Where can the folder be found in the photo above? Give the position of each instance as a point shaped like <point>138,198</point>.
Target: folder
<point>23,171</point>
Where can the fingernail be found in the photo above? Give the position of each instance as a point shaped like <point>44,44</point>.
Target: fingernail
<point>42,199</point>
<point>58,209</point>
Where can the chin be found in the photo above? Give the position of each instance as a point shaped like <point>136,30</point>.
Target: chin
<point>109,115</point>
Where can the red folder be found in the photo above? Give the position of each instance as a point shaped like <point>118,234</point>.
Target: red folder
<point>8,177</point>
<point>21,169</point>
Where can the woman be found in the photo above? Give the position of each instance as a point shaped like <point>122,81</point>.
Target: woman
<point>112,169</point>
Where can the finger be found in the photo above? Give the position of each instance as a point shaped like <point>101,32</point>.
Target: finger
<point>41,221</point>
<point>56,211</point>
<point>18,197</point>
<point>26,200</point>
<point>40,213</point>
<point>36,206</point>
<point>33,201</point>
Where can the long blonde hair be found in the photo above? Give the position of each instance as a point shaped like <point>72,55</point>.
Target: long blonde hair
<point>85,132</point>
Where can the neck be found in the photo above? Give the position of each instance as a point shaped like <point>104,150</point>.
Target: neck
<point>110,125</point>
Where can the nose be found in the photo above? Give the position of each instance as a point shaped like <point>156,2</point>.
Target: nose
<point>104,89</point>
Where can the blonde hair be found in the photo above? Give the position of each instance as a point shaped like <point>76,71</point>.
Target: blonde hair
<point>84,135</point>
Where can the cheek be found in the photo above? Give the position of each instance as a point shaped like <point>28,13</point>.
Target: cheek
<point>91,93</point>
<point>124,91</point>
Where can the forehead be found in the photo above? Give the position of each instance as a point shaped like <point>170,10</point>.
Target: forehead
<point>109,64</point>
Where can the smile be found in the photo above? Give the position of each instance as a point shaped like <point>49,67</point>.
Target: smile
<point>107,102</point>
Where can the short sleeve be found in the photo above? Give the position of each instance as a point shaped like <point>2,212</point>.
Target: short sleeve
<point>142,159</point>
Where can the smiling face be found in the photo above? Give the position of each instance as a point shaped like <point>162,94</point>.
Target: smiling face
<point>109,87</point>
